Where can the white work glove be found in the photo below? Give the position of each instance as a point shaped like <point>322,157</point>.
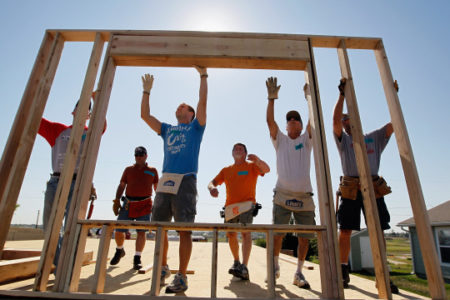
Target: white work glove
<point>147,82</point>
<point>272,88</point>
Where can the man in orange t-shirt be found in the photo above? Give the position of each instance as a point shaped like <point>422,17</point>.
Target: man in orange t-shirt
<point>240,180</point>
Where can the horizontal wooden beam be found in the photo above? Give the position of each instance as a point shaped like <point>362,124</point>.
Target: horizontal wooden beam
<point>323,41</point>
<point>13,253</point>
<point>217,52</point>
<point>203,226</point>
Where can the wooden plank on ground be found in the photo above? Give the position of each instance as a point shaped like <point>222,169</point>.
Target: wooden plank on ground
<point>373,223</point>
<point>424,232</point>
<point>14,253</point>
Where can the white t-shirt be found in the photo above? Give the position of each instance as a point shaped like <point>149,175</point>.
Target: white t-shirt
<point>293,162</point>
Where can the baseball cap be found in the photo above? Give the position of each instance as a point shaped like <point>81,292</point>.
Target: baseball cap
<point>293,114</point>
<point>139,151</point>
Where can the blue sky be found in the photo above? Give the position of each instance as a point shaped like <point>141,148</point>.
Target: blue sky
<point>415,34</point>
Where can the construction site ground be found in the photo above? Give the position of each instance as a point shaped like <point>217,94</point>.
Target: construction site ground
<point>123,279</point>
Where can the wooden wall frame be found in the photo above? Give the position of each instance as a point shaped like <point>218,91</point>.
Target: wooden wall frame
<point>212,50</point>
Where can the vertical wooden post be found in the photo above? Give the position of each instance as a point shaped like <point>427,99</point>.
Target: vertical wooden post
<point>330,270</point>
<point>65,180</point>
<point>24,111</point>
<point>157,261</point>
<point>214,264</point>
<point>82,232</point>
<point>427,244</point>
<point>102,257</point>
<point>370,205</point>
<point>270,265</point>
<point>88,161</point>
<point>36,96</point>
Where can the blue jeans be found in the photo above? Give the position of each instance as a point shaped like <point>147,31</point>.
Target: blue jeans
<point>50,192</point>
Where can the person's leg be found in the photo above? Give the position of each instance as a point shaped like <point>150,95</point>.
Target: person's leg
<point>119,237</point>
<point>140,241</point>
<point>246,247</point>
<point>50,192</point>
<point>302,250</point>
<point>185,250</point>
<point>234,245</point>
<point>280,215</point>
<point>344,244</point>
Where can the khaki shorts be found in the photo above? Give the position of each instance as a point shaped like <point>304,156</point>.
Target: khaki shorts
<point>282,215</point>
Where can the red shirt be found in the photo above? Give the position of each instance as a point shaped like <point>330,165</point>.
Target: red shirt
<point>139,180</point>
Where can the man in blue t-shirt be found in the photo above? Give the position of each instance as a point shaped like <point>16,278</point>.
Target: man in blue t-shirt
<point>176,195</point>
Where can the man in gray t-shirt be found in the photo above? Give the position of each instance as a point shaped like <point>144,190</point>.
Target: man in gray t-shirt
<point>349,211</point>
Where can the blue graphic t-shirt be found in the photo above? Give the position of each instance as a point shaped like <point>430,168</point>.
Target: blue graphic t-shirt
<point>181,147</point>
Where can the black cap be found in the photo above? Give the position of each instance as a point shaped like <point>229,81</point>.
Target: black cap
<point>140,151</point>
<point>293,114</point>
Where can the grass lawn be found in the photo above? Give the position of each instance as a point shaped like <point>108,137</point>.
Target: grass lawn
<point>399,260</point>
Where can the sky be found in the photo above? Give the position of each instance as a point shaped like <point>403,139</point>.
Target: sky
<point>416,36</point>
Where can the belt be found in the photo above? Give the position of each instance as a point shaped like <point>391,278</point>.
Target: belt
<point>57,174</point>
<point>138,198</point>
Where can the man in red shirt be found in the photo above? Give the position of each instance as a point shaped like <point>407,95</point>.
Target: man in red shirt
<point>138,181</point>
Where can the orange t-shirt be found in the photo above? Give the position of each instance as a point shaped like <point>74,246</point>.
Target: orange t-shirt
<point>139,181</point>
<point>240,182</point>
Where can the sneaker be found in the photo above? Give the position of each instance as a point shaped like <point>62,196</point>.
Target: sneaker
<point>137,265</point>
<point>300,281</point>
<point>178,285</point>
<point>345,276</point>
<point>276,274</point>
<point>117,256</point>
<point>242,272</point>
<point>234,267</point>
<point>165,273</point>
<point>394,288</point>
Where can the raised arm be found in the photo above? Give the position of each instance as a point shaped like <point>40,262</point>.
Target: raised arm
<point>307,93</point>
<point>203,95</point>
<point>337,113</point>
<point>262,165</point>
<point>154,123</point>
<point>272,94</point>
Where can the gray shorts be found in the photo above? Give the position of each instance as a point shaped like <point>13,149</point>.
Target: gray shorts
<point>182,206</point>
<point>282,215</point>
<point>244,218</point>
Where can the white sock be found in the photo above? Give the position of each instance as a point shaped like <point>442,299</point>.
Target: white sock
<point>300,265</point>
<point>276,262</point>
<point>119,247</point>
<point>137,253</point>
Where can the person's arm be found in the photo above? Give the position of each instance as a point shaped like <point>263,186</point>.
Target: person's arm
<point>337,112</point>
<point>272,94</point>
<point>212,188</point>
<point>154,123</point>
<point>307,93</point>
<point>262,165</point>
<point>116,201</point>
<point>203,95</point>
<point>155,181</point>
<point>389,130</point>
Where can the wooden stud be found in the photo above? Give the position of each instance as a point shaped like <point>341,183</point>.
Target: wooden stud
<point>39,93</point>
<point>214,264</point>
<point>12,253</point>
<point>102,257</point>
<point>88,159</point>
<point>157,261</point>
<point>76,271</point>
<point>370,205</point>
<point>423,226</point>
<point>330,268</point>
<point>270,265</point>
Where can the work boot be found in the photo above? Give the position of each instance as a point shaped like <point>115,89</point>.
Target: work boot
<point>394,288</point>
<point>117,256</point>
<point>137,265</point>
<point>234,267</point>
<point>242,272</point>
<point>165,273</point>
<point>345,275</point>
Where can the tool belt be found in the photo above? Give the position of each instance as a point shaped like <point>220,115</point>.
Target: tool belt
<point>349,187</point>
<point>138,208</point>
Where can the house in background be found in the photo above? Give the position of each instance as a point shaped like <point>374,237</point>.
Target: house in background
<point>440,226</point>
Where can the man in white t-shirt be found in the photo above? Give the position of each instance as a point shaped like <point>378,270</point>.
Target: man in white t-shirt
<point>293,191</point>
